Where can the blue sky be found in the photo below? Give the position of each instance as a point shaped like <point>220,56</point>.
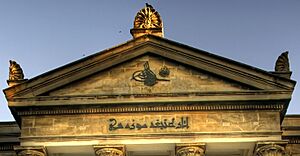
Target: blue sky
<point>42,35</point>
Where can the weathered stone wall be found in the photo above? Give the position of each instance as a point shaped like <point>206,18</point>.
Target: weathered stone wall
<point>198,122</point>
<point>118,80</point>
<point>293,149</point>
<point>291,131</point>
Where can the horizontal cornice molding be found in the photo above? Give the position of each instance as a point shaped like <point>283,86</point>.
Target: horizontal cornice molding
<point>153,97</point>
<point>292,139</point>
<point>144,108</point>
<point>185,135</point>
<point>8,146</point>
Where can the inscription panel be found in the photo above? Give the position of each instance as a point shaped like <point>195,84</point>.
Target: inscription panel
<point>164,123</point>
<point>150,123</point>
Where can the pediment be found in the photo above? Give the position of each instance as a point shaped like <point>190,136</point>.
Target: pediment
<point>110,73</point>
<point>131,78</point>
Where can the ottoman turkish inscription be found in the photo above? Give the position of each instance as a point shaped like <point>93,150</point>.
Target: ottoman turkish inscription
<point>114,124</point>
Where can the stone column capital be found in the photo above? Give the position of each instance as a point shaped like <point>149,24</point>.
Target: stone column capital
<point>270,148</point>
<point>30,151</point>
<point>109,150</point>
<point>196,149</point>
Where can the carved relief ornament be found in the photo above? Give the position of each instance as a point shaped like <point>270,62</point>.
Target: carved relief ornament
<point>282,63</point>
<point>15,71</point>
<point>270,150</point>
<point>30,151</point>
<point>147,18</point>
<point>190,150</point>
<point>109,150</point>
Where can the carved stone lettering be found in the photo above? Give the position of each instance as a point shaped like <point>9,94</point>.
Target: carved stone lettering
<point>157,124</point>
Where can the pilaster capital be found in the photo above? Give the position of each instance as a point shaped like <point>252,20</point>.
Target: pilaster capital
<point>271,148</point>
<point>109,150</point>
<point>30,151</point>
<point>197,149</point>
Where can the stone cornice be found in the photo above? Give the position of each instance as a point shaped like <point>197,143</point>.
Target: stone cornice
<point>186,135</point>
<point>292,139</point>
<point>145,108</point>
<point>8,146</point>
<point>150,98</point>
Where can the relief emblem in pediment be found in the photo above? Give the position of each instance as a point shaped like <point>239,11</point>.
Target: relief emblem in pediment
<point>149,74</point>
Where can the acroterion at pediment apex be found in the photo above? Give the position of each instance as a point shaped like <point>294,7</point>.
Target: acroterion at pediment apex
<point>147,21</point>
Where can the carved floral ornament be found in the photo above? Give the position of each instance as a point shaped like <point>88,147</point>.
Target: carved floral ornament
<point>190,150</point>
<point>270,150</point>
<point>109,152</point>
<point>282,63</point>
<point>15,71</point>
<point>30,151</point>
<point>147,18</point>
<point>102,150</point>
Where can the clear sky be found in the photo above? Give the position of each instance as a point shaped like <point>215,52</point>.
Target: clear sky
<point>42,35</point>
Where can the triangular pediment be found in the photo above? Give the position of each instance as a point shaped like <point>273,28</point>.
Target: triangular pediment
<point>110,72</point>
<point>164,76</point>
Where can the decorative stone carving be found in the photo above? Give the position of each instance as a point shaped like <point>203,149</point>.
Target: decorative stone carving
<point>109,150</point>
<point>270,149</point>
<point>147,18</point>
<point>147,21</point>
<point>147,76</point>
<point>164,71</point>
<point>282,63</point>
<point>190,150</point>
<point>30,151</point>
<point>16,75</point>
<point>15,71</point>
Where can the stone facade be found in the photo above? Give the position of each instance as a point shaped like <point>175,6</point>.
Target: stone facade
<point>198,122</point>
<point>153,96</point>
<point>291,132</point>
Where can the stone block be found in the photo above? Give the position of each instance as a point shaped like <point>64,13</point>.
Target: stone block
<point>214,118</point>
<point>25,131</point>
<point>232,117</point>
<point>28,122</point>
<point>43,122</point>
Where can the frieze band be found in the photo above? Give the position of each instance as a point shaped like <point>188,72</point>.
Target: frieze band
<point>157,124</point>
